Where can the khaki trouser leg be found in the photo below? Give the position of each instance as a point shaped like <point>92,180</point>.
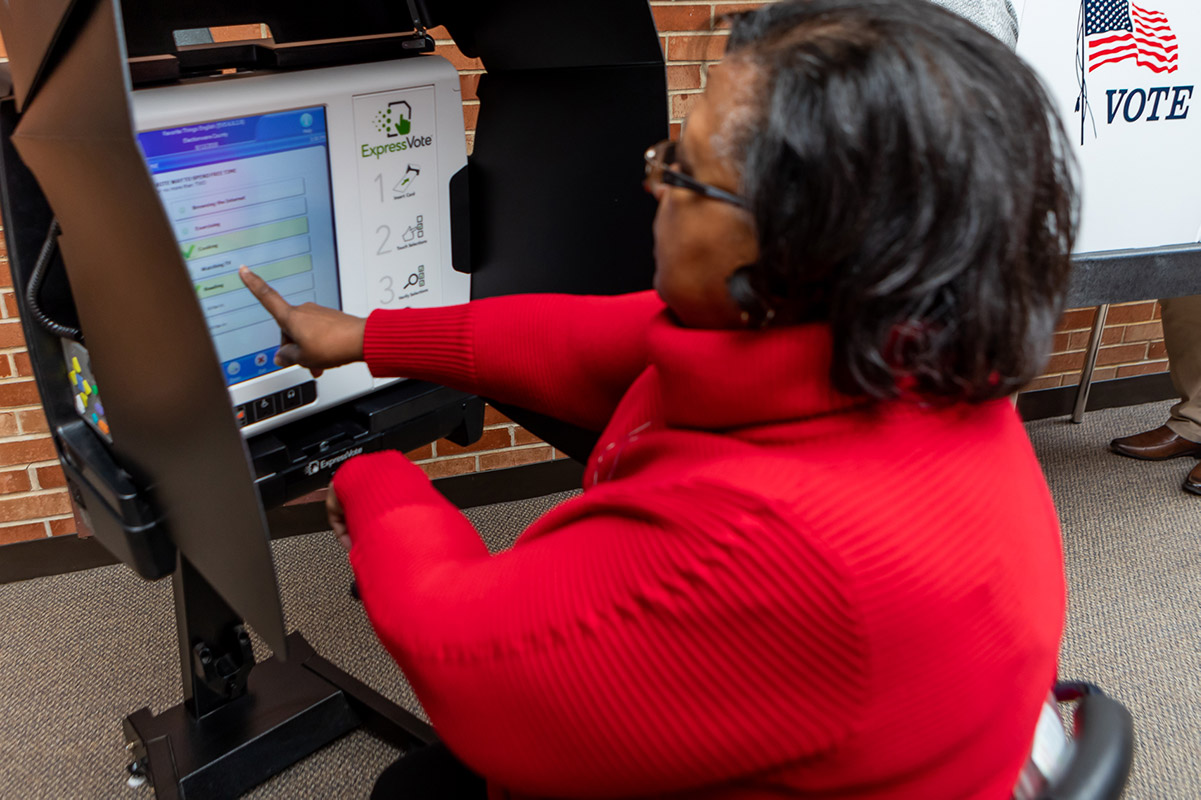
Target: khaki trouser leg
<point>1182,337</point>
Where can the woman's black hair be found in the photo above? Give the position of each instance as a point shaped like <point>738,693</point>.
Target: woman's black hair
<point>910,186</point>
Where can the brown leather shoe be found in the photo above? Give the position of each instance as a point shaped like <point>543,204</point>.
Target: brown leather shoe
<point>1157,445</point>
<point>1192,481</point>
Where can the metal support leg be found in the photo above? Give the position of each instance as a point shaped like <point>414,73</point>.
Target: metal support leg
<point>1090,362</point>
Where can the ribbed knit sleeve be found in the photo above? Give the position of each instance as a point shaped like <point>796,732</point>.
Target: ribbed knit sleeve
<point>649,644</point>
<point>567,356</point>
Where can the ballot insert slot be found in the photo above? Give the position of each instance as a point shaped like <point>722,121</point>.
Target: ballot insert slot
<point>403,416</point>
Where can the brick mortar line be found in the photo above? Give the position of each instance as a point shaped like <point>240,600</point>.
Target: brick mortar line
<point>36,520</point>
<point>1108,327</point>
<point>1150,359</point>
<point>1076,373</point>
<point>26,467</point>
<point>1108,345</point>
<point>1127,363</point>
<point>34,493</point>
<point>473,456</point>
<point>477,454</point>
<point>24,437</point>
<point>523,446</point>
<point>1116,344</point>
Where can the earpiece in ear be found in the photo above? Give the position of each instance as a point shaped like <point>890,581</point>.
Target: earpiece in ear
<point>756,310</point>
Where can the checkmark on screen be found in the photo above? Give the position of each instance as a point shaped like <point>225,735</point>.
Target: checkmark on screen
<point>187,253</point>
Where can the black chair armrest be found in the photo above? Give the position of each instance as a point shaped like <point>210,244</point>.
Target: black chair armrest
<point>1104,747</point>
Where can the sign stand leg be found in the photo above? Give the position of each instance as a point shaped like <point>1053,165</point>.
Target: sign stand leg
<point>1090,363</point>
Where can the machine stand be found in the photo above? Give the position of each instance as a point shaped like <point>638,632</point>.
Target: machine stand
<point>290,709</point>
<point>225,674</point>
<point>241,722</point>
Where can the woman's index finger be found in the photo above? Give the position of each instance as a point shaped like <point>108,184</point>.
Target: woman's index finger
<point>271,299</point>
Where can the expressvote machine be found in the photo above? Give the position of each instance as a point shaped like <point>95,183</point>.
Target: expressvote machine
<point>142,163</point>
<point>333,185</point>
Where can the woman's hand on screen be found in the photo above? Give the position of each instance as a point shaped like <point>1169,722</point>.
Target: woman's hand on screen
<point>314,337</point>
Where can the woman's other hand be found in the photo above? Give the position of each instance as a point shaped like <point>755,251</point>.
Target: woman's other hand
<point>314,337</point>
<point>337,518</point>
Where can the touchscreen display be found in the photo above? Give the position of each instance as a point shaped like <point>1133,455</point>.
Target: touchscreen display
<point>251,191</point>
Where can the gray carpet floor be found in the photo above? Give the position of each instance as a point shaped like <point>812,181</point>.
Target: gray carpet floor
<point>1132,545</point>
<point>79,652</point>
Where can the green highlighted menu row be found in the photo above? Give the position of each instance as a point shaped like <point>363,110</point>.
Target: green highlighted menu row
<point>216,245</point>
<point>268,272</point>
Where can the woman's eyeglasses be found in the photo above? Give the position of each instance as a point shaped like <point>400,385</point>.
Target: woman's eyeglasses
<point>659,173</point>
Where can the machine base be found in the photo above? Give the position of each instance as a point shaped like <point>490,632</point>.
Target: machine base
<point>290,709</point>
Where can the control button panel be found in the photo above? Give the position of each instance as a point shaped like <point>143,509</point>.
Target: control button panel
<point>267,406</point>
<point>83,386</point>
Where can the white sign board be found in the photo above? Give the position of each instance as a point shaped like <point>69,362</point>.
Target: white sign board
<point>1123,77</point>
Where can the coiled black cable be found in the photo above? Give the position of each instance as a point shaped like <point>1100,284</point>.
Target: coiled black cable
<point>33,290</point>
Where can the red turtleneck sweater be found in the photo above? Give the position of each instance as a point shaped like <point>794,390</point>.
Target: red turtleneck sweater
<point>767,589</point>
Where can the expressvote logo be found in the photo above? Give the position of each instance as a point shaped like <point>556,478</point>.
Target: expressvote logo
<point>395,121</point>
<point>1117,31</point>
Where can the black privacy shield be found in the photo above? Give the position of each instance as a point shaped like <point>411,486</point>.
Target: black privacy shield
<point>40,24</point>
<point>166,401</point>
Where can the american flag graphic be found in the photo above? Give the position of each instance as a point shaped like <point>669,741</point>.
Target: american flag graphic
<point>1117,29</point>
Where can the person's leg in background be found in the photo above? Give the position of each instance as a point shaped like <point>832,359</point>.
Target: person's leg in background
<point>1182,337</point>
<point>1181,434</point>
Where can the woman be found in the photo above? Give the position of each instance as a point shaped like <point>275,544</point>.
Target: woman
<point>815,555</point>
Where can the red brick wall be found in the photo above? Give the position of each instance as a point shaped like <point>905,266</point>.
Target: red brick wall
<point>33,497</point>
<point>33,502</point>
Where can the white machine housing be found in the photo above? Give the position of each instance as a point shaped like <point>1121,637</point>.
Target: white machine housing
<point>394,137</point>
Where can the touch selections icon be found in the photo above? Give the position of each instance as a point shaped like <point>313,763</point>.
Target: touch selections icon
<point>395,119</point>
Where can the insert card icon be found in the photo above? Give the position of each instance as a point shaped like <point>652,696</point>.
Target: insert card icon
<point>410,175</point>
